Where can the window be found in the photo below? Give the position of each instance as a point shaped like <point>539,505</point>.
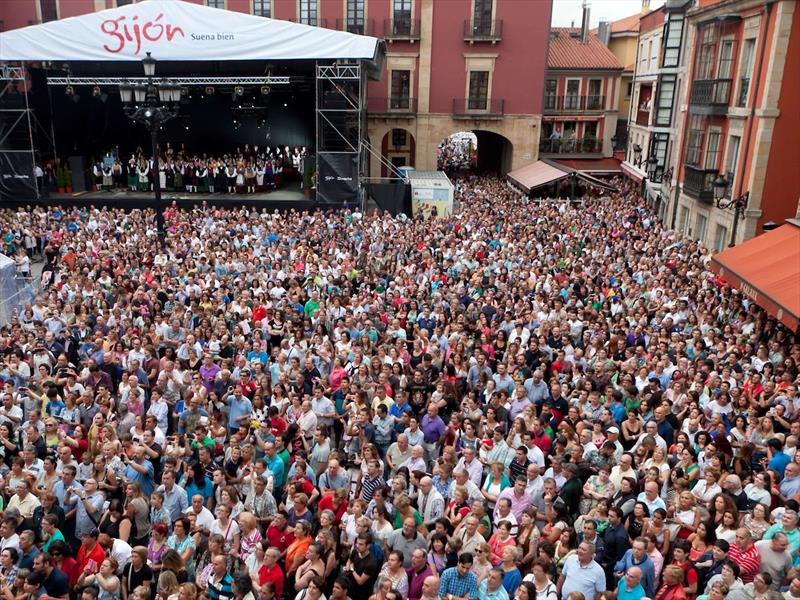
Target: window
<point>665,96</point>
<point>401,17</point>
<point>725,60</point>
<point>748,54</point>
<point>730,162</point>
<point>308,12</point>
<point>706,53</point>
<point>550,87</point>
<point>399,138</point>
<point>590,130</point>
<point>482,18</point>
<point>649,55</point>
<point>628,89</point>
<point>712,150</point>
<point>401,89</point>
<point>572,97</point>
<point>262,8</point>
<point>124,3</point>
<point>658,148</point>
<point>683,223</point>
<point>721,238</point>
<point>215,3</point>
<point>49,10</point>
<point>694,144</point>
<point>478,90</point>
<point>700,227</point>
<point>594,101</point>
<point>355,16</point>
<point>673,34</point>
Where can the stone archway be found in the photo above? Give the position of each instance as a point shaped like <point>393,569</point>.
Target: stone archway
<point>478,149</point>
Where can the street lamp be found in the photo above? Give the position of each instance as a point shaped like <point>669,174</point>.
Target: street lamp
<point>737,205</point>
<point>652,166</point>
<point>637,155</point>
<point>152,105</point>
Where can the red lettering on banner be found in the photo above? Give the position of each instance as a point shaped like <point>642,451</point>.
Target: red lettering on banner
<point>152,31</point>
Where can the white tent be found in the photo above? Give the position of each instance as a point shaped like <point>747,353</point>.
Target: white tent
<point>173,30</point>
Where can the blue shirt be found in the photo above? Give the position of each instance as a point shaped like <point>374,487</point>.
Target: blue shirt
<point>647,567</point>
<point>590,580</point>
<point>60,491</point>
<point>453,583</point>
<point>175,501</point>
<point>779,461</point>
<point>276,467</point>
<point>625,594</point>
<point>237,408</point>
<point>144,479</point>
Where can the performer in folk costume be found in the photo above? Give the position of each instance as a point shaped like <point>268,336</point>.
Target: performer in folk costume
<point>201,177</point>
<point>169,169</point>
<point>162,174</point>
<point>230,176</point>
<point>250,178</point>
<point>259,174</point>
<point>179,175</point>
<point>221,183</point>
<point>133,178</point>
<point>116,174</point>
<point>188,177</point>
<point>97,171</point>
<point>240,174</point>
<point>108,180</point>
<point>143,172</point>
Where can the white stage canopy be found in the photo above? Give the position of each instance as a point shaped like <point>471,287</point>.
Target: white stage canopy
<point>173,30</point>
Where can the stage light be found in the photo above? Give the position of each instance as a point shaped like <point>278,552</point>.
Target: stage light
<point>187,128</point>
<point>69,91</point>
<point>209,90</point>
<point>285,105</point>
<point>239,90</point>
<point>265,90</point>
<point>148,113</point>
<point>96,91</point>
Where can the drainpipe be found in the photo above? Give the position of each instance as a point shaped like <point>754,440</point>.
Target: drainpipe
<point>756,88</point>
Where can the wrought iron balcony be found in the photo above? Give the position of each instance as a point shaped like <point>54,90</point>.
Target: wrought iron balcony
<point>568,146</point>
<point>553,103</point>
<point>478,107</point>
<point>710,96</point>
<point>393,106</point>
<point>483,30</point>
<point>315,22</point>
<point>362,27</point>
<point>699,183</point>
<point>401,29</point>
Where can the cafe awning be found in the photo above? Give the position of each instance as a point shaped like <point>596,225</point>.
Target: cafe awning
<point>766,269</point>
<point>536,175</point>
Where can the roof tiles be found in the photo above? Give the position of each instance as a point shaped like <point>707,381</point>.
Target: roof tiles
<point>566,51</point>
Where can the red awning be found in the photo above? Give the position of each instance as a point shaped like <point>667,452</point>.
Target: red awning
<point>589,165</point>
<point>631,172</point>
<point>535,175</point>
<point>766,269</point>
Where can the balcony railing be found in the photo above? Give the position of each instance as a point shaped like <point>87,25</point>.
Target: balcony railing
<point>574,102</point>
<point>710,96</point>
<point>398,105</point>
<point>401,29</point>
<point>315,22</point>
<point>483,30</point>
<point>567,146</point>
<point>362,27</point>
<point>699,183</point>
<point>744,87</point>
<point>643,117</point>
<point>478,106</point>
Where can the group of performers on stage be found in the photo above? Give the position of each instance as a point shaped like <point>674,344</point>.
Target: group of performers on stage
<point>244,171</point>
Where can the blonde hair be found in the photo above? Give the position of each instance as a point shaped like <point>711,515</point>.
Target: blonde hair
<point>167,583</point>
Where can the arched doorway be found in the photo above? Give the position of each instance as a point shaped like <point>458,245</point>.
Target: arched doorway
<point>495,152</point>
<point>399,148</point>
<point>477,150</point>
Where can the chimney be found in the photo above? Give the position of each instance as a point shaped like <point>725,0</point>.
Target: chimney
<point>604,31</point>
<point>585,24</point>
<point>645,6</point>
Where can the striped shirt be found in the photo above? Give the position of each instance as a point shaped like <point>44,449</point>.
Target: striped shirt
<point>749,562</point>
<point>221,589</point>
<point>368,487</point>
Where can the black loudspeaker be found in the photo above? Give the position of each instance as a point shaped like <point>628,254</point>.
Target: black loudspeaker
<point>77,164</point>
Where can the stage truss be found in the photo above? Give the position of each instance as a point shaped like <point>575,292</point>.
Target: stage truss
<point>182,81</point>
<point>17,154</point>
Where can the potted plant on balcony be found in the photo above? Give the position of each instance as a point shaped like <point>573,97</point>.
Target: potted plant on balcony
<point>589,142</point>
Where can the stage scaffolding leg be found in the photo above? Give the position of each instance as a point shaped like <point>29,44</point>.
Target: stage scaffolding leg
<point>17,153</point>
<point>340,127</point>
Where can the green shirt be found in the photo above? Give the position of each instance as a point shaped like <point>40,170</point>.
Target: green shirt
<point>56,536</point>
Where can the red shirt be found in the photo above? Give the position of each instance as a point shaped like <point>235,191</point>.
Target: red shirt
<point>84,556</point>
<point>749,562</point>
<point>275,575</point>
<point>279,538</point>
<point>327,503</point>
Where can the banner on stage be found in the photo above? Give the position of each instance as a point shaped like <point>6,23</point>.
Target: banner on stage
<point>173,31</point>
<point>17,180</point>
<point>337,179</point>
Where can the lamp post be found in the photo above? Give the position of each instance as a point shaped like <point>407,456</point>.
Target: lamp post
<point>637,155</point>
<point>152,105</point>
<point>737,205</point>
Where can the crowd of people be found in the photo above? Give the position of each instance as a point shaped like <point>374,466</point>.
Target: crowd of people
<point>457,153</point>
<point>522,400</point>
